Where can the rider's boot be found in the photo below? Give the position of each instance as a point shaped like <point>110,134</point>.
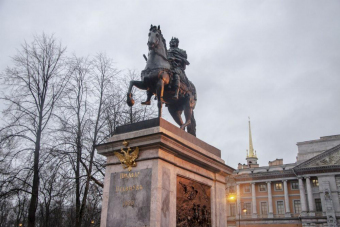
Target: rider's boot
<point>176,86</point>
<point>147,102</point>
<point>175,97</point>
<point>148,99</point>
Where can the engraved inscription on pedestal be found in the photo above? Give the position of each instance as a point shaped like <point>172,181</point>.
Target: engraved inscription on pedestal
<point>129,199</point>
<point>193,206</point>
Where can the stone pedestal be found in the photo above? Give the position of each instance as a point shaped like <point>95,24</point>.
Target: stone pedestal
<point>178,179</point>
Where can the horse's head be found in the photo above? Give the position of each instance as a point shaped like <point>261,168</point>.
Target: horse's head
<point>158,55</point>
<point>155,37</point>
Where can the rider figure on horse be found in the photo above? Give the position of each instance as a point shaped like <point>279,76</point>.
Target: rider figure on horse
<point>164,76</point>
<point>178,60</point>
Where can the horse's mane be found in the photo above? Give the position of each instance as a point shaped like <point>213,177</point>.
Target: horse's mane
<point>158,30</point>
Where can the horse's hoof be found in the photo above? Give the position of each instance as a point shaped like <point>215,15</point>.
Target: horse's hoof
<point>130,102</point>
<point>146,103</point>
<point>182,127</point>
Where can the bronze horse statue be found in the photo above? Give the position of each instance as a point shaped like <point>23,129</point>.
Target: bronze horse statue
<point>157,79</point>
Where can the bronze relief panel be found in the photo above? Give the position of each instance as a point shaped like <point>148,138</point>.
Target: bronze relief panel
<point>193,205</point>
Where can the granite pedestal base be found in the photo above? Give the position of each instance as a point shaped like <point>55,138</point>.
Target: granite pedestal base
<point>179,180</point>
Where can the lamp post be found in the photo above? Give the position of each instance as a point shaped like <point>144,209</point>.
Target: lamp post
<point>92,222</point>
<point>239,215</point>
<point>231,197</point>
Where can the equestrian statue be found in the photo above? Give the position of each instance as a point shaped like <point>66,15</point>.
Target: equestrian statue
<point>165,78</point>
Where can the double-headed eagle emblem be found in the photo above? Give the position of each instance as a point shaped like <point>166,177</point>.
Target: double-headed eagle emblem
<point>128,160</point>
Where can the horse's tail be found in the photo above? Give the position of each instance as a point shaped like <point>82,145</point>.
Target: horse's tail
<point>192,127</point>
<point>193,99</point>
<point>193,90</point>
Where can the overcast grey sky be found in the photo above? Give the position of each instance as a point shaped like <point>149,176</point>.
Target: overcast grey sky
<point>275,61</point>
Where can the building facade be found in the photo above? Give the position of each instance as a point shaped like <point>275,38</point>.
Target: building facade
<point>304,193</point>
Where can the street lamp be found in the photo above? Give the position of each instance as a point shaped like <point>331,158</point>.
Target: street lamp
<point>20,224</point>
<point>92,222</point>
<point>232,198</point>
<point>239,215</point>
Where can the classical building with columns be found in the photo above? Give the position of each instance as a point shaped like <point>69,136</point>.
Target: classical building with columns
<point>304,193</point>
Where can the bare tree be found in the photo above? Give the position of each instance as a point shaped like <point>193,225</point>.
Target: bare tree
<point>49,169</point>
<point>74,120</point>
<point>103,77</point>
<point>5,207</point>
<point>35,82</point>
<point>83,123</point>
<point>115,114</point>
<point>53,185</point>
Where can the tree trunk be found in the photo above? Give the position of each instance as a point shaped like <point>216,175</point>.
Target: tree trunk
<point>47,215</point>
<point>95,135</point>
<point>35,188</point>
<point>78,215</point>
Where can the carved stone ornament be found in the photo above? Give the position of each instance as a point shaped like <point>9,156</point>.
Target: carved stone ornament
<point>193,207</point>
<point>332,159</point>
<point>327,195</point>
<point>128,160</point>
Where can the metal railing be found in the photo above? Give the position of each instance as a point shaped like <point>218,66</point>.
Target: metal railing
<point>262,216</point>
<point>245,216</point>
<point>279,215</point>
<point>231,218</point>
<point>249,216</point>
<point>319,214</point>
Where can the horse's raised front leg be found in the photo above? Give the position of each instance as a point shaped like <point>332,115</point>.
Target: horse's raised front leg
<point>160,90</point>
<point>138,84</point>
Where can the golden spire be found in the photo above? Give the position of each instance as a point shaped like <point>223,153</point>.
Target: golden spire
<point>251,153</point>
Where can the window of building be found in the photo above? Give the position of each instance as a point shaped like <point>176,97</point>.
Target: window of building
<point>278,186</point>
<point>232,209</point>
<point>280,207</point>
<point>247,189</point>
<point>315,182</point>
<point>295,185</point>
<point>264,209</point>
<point>318,206</point>
<point>262,187</point>
<point>247,206</point>
<point>297,207</point>
<point>232,189</point>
